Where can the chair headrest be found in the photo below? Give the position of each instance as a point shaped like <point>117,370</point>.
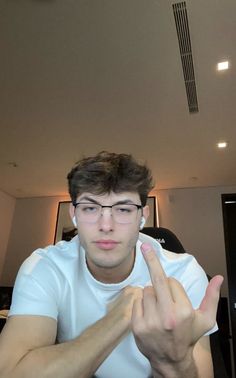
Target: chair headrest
<point>165,237</point>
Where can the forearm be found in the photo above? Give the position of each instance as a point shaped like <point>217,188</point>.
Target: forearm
<point>78,358</point>
<point>185,369</point>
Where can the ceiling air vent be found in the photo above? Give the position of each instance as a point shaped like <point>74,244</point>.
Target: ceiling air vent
<point>182,27</point>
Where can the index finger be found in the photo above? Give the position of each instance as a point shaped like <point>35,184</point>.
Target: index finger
<point>158,276</point>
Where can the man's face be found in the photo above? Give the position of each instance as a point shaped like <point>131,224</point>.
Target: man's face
<point>109,245</point>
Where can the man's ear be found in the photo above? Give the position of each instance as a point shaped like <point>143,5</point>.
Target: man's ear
<point>146,212</point>
<point>72,214</point>
<point>71,210</point>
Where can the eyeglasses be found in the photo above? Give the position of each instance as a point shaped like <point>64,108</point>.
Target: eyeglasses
<point>91,212</point>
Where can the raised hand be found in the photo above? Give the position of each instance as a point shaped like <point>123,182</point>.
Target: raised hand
<point>123,304</point>
<point>164,323</point>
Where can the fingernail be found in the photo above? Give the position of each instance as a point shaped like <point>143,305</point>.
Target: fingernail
<point>146,248</point>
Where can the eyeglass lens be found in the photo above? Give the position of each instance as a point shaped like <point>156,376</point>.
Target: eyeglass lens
<point>88,212</point>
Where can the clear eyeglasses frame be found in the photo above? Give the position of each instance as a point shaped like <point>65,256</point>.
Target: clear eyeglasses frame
<point>121,213</point>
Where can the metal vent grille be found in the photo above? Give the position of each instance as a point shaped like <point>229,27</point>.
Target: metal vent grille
<point>182,27</point>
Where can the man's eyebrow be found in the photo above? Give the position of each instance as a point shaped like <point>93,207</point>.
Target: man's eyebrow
<point>125,202</point>
<point>89,199</point>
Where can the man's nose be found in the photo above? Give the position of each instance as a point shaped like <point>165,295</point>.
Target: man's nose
<point>106,221</point>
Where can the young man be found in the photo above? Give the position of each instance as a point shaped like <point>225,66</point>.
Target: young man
<point>110,303</point>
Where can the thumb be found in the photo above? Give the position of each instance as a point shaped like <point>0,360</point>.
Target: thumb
<point>206,314</point>
<point>212,295</point>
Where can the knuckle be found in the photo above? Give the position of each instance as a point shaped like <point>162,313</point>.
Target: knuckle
<point>169,321</point>
<point>169,324</point>
<point>127,289</point>
<point>138,328</point>
<point>171,280</point>
<point>189,312</point>
<point>133,292</point>
<point>148,290</point>
<point>151,325</point>
<point>186,312</point>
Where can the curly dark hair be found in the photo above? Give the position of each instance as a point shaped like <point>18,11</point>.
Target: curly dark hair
<point>109,172</point>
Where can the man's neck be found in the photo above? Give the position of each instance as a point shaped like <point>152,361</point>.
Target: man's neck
<point>112,275</point>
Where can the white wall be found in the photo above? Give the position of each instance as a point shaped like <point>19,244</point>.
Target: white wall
<point>7,205</point>
<point>33,226</point>
<point>195,216</point>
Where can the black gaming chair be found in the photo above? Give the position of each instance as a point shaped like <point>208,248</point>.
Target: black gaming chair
<point>219,340</point>
<point>165,237</point>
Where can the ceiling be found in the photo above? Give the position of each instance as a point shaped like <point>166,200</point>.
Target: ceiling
<point>81,76</point>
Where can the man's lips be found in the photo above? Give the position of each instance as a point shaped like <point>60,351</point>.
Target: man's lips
<point>106,244</point>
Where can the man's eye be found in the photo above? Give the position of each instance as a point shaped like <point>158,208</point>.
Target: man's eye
<point>89,209</point>
<point>124,210</point>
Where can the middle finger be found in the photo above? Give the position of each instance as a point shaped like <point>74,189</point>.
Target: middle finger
<point>158,276</point>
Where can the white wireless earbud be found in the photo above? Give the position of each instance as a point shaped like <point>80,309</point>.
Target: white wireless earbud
<point>142,223</point>
<point>74,221</point>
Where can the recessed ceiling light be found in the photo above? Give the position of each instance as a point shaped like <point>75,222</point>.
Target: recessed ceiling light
<point>221,66</point>
<point>222,144</point>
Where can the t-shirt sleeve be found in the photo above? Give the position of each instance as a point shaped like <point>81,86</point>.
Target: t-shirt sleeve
<point>37,288</point>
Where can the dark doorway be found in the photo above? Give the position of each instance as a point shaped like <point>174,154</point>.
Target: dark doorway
<point>229,219</point>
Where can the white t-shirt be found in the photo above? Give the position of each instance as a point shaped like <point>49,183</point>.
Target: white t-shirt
<point>56,282</point>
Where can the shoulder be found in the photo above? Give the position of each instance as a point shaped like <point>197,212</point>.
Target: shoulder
<point>49,268</point>
<point>53,257</point>
<point>43,279</point>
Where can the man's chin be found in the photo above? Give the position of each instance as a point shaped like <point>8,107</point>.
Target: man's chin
<point>105,263</point>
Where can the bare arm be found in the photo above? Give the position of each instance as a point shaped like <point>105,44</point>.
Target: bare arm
<point>28,343</point>
<point>199,364</point>
<point>202,358</point>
